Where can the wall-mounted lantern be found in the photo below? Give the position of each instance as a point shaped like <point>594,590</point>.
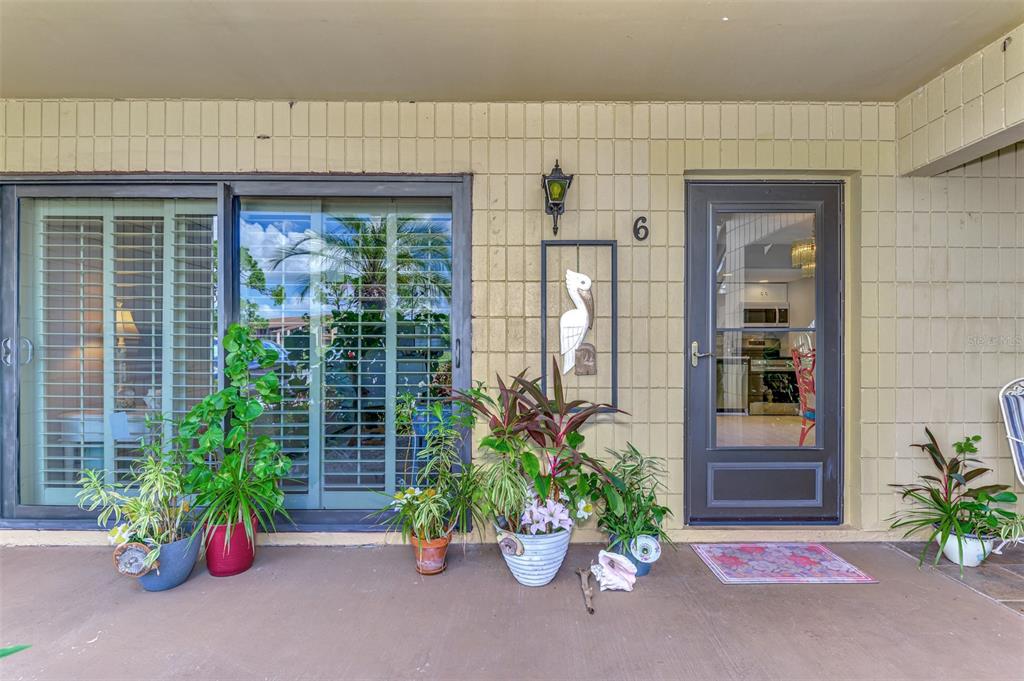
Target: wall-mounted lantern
<point>556,186</point>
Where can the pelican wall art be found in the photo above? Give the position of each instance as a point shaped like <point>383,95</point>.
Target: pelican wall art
<point>574,325</point>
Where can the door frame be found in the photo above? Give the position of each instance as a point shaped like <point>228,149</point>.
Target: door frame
<point>226,188</point>
<point>703,199</point>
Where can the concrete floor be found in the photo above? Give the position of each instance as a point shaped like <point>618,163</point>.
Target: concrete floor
<point>363,613</point>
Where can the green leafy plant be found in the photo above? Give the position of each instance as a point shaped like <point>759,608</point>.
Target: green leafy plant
<point>638,511</point>
<point>150,506</point>
<point>405,413</point>
<point>235,475</point>
<point>944,505</point>
<point>505,487</point>
<point>533,451</point>
<point>447,490</point>
<point>10,650</point>
<point>1010,532</point>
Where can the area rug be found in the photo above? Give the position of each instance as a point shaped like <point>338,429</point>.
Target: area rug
<point>770,563</point>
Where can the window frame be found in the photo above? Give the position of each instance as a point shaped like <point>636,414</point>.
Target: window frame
<point>227,189</point>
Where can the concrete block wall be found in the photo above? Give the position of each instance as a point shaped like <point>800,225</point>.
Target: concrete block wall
<point>972,108</point>
<point>934,288</point>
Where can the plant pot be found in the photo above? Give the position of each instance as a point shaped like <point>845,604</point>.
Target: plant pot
<point>534,559</point>
<point>430,554</point>
<point>176,562</point>
<point>617,546</point>
<point>975,550</point>
<point>232,559</point>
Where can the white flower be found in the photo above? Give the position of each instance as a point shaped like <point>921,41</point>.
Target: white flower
<point>584,509</point>
<point>118,535</point>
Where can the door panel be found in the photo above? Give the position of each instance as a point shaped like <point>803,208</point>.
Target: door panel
<point>355,295</point>
<point>763,397</point>
<point>118,324</point>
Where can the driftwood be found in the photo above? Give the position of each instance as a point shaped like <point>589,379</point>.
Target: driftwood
<point>588,591</point>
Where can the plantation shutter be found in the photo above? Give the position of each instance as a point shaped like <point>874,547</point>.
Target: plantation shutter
<point>118,300</point>
<point>354,294</point>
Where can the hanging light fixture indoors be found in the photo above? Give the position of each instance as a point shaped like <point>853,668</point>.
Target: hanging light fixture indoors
<point>802,255</point>
<point>556,186</point>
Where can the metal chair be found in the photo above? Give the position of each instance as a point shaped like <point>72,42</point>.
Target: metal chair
<point>1011,401</point>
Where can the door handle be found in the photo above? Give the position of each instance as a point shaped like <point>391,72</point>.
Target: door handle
<point>6,351</point>
<point>696,355</point>
<point>458,353</point>
<point>29,351</point>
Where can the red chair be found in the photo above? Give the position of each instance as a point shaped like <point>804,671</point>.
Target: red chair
<point>803,363</point>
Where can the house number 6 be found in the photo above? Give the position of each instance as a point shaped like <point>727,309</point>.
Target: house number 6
<point>640,229</point>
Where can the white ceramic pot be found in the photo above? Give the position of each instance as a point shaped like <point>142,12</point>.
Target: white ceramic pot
<point>534,559</point>
<point>975,550</point>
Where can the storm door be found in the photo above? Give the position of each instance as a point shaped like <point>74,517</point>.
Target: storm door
<point>763,352</point>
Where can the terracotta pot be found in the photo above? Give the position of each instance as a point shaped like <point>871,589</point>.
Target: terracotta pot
<point>231,559</point>
<point>430,554</point>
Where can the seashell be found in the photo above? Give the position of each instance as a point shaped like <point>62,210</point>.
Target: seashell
<point>614,572</point>
<point>510,544</point>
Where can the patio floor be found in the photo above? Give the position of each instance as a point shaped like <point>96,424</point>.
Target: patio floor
<point>363,613</point>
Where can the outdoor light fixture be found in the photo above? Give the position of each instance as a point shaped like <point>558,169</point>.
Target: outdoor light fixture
<point>556,185</point>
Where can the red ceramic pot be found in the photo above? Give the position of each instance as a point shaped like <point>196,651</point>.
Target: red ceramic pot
<point>224,560</point>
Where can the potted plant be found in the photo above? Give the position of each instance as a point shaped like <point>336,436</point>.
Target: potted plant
<point>535,471</point>
<point>234,475</point>
<point>963,520</point>
<point>445,496</point>
<point>405,435</point>
<point>152,531</point>
<point>633,520</point>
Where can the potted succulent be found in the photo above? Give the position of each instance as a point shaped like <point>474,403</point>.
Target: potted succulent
<point>963,520</point>
<point>152,530</point>
<point>234,475</point>
<point>445,495</point>
<point>535,471</point>
<point>633,519</point>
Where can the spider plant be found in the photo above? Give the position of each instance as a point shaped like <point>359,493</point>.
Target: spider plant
<point>944,505</point>
<point>150,506</point>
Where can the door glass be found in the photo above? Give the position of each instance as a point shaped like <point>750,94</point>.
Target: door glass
<point>118,318</point>
<point>764,269</point>
<point>354,294</point>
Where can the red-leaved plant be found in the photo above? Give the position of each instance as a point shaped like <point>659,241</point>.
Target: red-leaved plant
<point>523,422</point>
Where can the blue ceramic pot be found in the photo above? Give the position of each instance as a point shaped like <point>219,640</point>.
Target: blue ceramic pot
<point>618,547</point>
<point>176,562</point>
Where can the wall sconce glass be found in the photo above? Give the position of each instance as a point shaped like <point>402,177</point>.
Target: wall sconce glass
<point>556,186</point>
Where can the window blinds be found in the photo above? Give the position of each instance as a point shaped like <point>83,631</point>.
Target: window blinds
<point>119,298</point>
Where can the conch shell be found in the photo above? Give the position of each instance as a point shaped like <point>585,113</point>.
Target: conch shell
<point>614,572</point>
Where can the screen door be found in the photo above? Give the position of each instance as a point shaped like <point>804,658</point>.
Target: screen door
<point>763,352</point>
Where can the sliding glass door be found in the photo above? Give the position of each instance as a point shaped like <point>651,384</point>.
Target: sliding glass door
<point>117,289</point>
<point>356,296</point>
<point>118,321</point>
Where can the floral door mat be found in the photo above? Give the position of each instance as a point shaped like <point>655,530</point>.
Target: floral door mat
<point>771,563</point>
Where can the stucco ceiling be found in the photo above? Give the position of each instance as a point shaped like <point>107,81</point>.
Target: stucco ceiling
<point>489,49</point>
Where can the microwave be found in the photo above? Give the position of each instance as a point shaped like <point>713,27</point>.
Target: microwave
<point>766,316</point>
